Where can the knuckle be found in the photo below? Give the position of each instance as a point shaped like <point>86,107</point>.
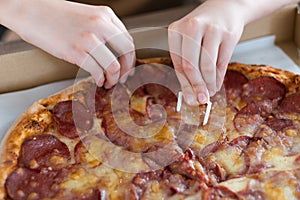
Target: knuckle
<point>101,13</point>
<point>106,9</point>
<point>173,26</point>
<point>188,66</point>
<point>193,21</point>
<point>207,70</point>
<point>199,87</point>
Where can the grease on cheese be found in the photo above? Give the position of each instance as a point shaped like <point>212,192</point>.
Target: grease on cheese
<point>232,159</point>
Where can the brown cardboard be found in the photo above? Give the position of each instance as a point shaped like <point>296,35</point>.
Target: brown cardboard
<point>23,66</point>
<point>284,24</point>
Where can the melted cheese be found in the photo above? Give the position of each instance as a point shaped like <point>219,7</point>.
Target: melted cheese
<point>279,161</point>
<point>232,159</point>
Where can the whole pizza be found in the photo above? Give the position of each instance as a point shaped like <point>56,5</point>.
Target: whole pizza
<point>131,142</point>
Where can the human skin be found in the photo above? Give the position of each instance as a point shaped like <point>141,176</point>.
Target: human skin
<point>92,37</point>
<point>201,43</point>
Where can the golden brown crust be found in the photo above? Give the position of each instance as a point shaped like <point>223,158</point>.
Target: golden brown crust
<point>289,79</point>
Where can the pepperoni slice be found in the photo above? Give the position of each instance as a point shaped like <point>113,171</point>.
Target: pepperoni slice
<point>262,108</point>
<point>263,88</point>
<point>91,195</point>
<point>26,183</point>
<point>233,83</point>
<point>279,124</point>
<point>184,165</point>
<point>173,182</point>
<point>44,151</point>
<point>70,116</point>
<point>291,104</point>
<point>249,118</point>
<point>208,149</point>
<point>97,99</point>
<point>120,138</point>
<point>241,142</point>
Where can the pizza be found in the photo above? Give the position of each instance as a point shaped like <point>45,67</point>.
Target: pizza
<point>129,142</point>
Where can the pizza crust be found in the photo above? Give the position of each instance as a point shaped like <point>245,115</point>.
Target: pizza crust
<point>32,122</point>
<point>289,79</point>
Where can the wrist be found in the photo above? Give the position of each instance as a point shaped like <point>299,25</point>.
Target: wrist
<point>260,8</point>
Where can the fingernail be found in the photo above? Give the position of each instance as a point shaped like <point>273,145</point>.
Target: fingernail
<point>100,83</point>
<point>202,98</point>
<point>191,100</point>
<point>106,86</point>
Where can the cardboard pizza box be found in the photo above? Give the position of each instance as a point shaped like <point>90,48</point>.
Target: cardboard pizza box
<point>24,66</point>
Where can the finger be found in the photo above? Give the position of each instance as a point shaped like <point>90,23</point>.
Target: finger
<point>109,63</point>
<point>175,44</point>
<point>187,90</point>
<point>208,60</point>
<point>127,66</point>
<point>190,63</point>
<point>125,52</point>
<point>90,65</point>
<point>122,47</point>
<point>118,23</point>
<point>225,52</point>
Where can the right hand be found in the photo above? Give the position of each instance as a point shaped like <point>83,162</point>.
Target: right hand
<point>92,37</point>
<point>201,44</point>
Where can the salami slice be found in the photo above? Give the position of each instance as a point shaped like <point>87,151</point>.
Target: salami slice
<point>44,151</point>
<point>120,138</point>
<point>249,118</point>
<point>263,88</point>
<point>185,165</point>
<point>97,99</point>
<point>279,124</point>
<point>26,183</point>
<point>70,116</point>
<point>233,83</point>
<point>291,104</point>
<point>172,183</point>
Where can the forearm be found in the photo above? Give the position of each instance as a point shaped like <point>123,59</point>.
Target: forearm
<point>19,14</point>
<point>260,8</point>
<point>7,11</point>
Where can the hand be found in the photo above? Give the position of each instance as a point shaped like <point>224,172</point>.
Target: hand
<point>91,37</point>
<point>201,45</point>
